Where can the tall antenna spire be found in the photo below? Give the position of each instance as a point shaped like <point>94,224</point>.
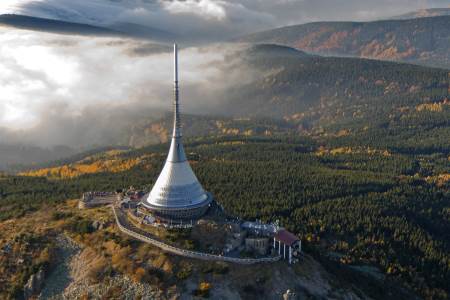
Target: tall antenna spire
<point>176,104</point>
<point>177,193</point>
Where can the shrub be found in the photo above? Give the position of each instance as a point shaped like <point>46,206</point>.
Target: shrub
<point>221,268</point>
<point>59,215</point>
<point>98,270</point>
<point>189,244</point>
<point>15,292</point>
<point>121,260</point>
<point>202,290</point>
<point>208,268</point>
<point>80,226</point>
<point>139,274</point>
<point>185,272</point>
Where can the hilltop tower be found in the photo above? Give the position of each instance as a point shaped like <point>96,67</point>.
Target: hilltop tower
<point>177,193</point>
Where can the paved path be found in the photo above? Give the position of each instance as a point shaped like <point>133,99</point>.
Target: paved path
<point>128,228</point>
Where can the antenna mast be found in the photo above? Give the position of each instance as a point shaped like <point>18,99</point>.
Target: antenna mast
<point>176,103</point>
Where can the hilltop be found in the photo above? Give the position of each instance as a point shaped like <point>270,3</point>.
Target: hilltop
<point>372,216</point>
<point>422,41</point>
<point>81,260</point>
<point>424,13</point>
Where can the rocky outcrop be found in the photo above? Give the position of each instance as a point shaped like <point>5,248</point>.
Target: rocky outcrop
<point>289,295</point>
<point>128,289</point>
<point>59,277</point>
<point>98,225</point>
<point>34,284</point>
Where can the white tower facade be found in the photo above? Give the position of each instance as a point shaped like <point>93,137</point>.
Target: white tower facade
<point>177,193</point>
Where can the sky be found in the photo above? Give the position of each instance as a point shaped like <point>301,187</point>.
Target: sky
<point>215,19</point>
<point>55,88</point>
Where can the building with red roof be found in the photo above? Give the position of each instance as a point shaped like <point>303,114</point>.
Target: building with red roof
<point>288,242</point>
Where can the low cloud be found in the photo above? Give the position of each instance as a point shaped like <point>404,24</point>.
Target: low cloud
<point>80,91</point>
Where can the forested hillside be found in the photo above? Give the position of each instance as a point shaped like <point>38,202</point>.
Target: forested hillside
<point>352,206</point>
<point>11,156</point>
<point>423,40</point>
<point>407,105</point>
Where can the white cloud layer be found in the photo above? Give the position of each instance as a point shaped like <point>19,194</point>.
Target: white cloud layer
<point>63,89</point>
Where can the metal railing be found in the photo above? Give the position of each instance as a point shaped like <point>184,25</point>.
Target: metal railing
<point>183,252</point>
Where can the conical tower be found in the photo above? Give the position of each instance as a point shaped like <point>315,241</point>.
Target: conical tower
<point>177,193</point>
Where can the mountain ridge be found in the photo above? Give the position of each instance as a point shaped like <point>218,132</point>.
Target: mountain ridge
<point>423,13</point>
<point>421,41</point>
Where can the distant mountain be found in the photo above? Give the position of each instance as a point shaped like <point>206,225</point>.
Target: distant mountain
<point>424,13</point>
<point>55,26</point>
<point>345,96</point>
<point>424,41</point>
<point>289,81</point>
<point>297,93</point>
<point>117,29</point>
<point>11,156</point>
<point>142,31</point>
<point>271,51</point>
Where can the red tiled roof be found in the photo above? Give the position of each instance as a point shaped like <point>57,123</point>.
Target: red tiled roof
<point>286,237</point>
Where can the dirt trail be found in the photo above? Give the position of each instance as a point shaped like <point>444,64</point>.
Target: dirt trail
<point>59,279</point>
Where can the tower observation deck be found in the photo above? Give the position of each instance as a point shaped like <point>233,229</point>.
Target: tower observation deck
<point>177,193</point>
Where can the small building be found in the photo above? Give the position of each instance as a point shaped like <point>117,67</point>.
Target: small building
<point>288,245</point>
<point>96,199</point>
<point>235,239</point>
<point>257,244</point>
<point>259,228</point>
<point>127,203</point>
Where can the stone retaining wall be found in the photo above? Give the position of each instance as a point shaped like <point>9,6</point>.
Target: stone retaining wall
<point>128,229</point>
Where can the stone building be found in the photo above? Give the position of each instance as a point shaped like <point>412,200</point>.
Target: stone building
<point>258,245</point>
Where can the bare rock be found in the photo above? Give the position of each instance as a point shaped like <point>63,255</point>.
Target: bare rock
<point>98,225</point>
<point>289,295</point>
<point>34,284</point>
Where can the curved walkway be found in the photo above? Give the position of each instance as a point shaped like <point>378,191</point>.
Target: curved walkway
<point>141,235</point>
